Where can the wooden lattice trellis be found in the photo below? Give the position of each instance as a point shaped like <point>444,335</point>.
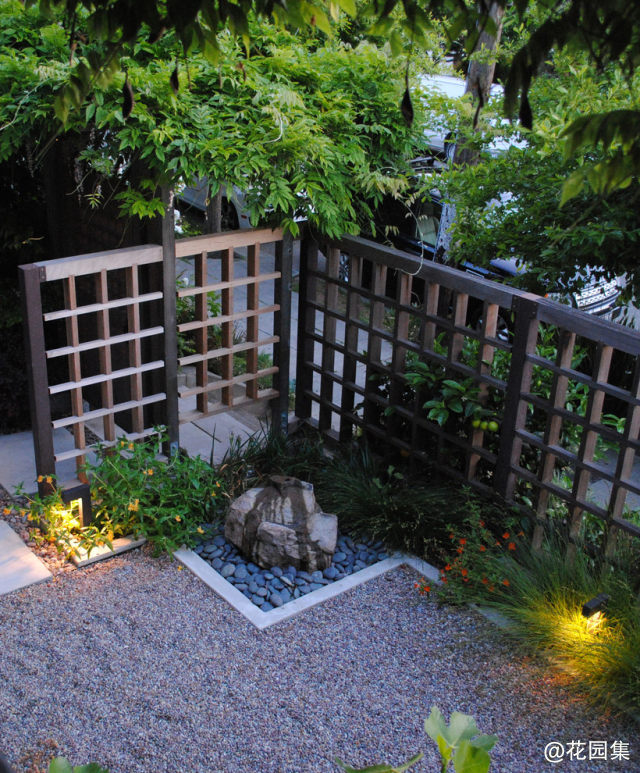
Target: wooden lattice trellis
<point>356,337</point>
<point>87,314</point>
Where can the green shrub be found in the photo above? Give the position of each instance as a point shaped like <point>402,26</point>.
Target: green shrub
<point>377,499</point>
<point>459,743</point>
<point>134,490</point>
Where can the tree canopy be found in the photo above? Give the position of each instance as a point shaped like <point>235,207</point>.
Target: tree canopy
<point>304,129</point>
<point>605,32</point>
<point>507,207</point>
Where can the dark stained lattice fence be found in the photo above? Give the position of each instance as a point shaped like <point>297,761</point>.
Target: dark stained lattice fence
<point>554,380</point>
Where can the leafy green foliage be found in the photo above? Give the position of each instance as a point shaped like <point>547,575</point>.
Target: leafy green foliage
<point>508,206</point>
<point>376,498</point>
<point>306,130</point>
<point>460,743</point>
<point>62,765</point>
<point>134,491</point>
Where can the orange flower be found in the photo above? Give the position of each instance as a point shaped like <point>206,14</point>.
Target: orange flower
<point>447,568</point>
<point>6,511</point>
<point>482,548</point>
<point>498,543</point>
<point>452,536</point>
<point>481,523</point>
<point>40,478</point>
<point>416,585</point>
<point>444,580</point>
<point>512,546</point>
<point>464,572</point>
<point>465,579</point>
<point>520,534</point>
<point>460,551</point>
<point>506,582</point>
<point>505,535</point>
<point>462,541</point>
<point>484,580</point>
<point>178,518</point>
<point>491,588</point>
<point>425,589</point>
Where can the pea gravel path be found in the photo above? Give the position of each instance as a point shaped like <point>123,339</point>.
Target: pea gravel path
<point>136,664</point>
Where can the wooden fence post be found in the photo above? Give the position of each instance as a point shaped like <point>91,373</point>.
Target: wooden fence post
<point>515,409</point>
<point>170,323</point>
<point>306,324</point>
<point>282,329</point>
<point>40,408</point>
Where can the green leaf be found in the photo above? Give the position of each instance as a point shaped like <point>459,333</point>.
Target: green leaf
<point>471,759</point>
<point>60,765</point>
<point>572,187</point>
<point>384,767</point>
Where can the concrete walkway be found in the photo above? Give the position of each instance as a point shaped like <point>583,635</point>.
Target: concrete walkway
<point>19,567</point>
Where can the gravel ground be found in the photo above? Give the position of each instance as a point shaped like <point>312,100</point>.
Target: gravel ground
<point>136,664</point>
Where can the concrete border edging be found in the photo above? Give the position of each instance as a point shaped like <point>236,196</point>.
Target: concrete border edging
<point>262,620</point>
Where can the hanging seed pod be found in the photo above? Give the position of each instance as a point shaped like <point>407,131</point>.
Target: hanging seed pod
<point>406,108</point>
<point>175,83</point>
<point>127,99</point>
<point>526,116</point>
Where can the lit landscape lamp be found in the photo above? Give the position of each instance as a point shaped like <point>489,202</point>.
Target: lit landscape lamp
<point>79,495</point>
<point>593,610</point>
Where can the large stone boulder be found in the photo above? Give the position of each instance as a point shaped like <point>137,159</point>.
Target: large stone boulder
<point>281,525</point>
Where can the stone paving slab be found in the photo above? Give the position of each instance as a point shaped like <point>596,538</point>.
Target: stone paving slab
<point>19,567</point>
<point>18,461</point>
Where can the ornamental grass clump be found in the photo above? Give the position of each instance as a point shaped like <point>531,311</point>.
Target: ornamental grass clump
<point>541,595</point>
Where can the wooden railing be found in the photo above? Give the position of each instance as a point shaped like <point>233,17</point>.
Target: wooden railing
<point>368,312</point>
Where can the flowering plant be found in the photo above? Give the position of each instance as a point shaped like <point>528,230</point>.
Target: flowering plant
<point>58,522</point>
<point>474,566</point>
<point>138,491</point>
<point>134,490</point>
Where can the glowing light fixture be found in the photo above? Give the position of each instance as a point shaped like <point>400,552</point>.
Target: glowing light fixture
<point>593,610</point>
<point>78,496</point>
<point>598,604</point>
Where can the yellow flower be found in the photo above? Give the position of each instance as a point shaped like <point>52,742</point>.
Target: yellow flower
<point>200,530</point>
<point>217,484</point>
<point>23,512</point>
<point>178,518</point>
<point>213,493</point>
<point>130,446</point>
<point>149,471</point>
<point>40,478</point>
<point>133,506</point>
<point>6,511</point>
<point>49,479</point>
<point>179,568</point>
